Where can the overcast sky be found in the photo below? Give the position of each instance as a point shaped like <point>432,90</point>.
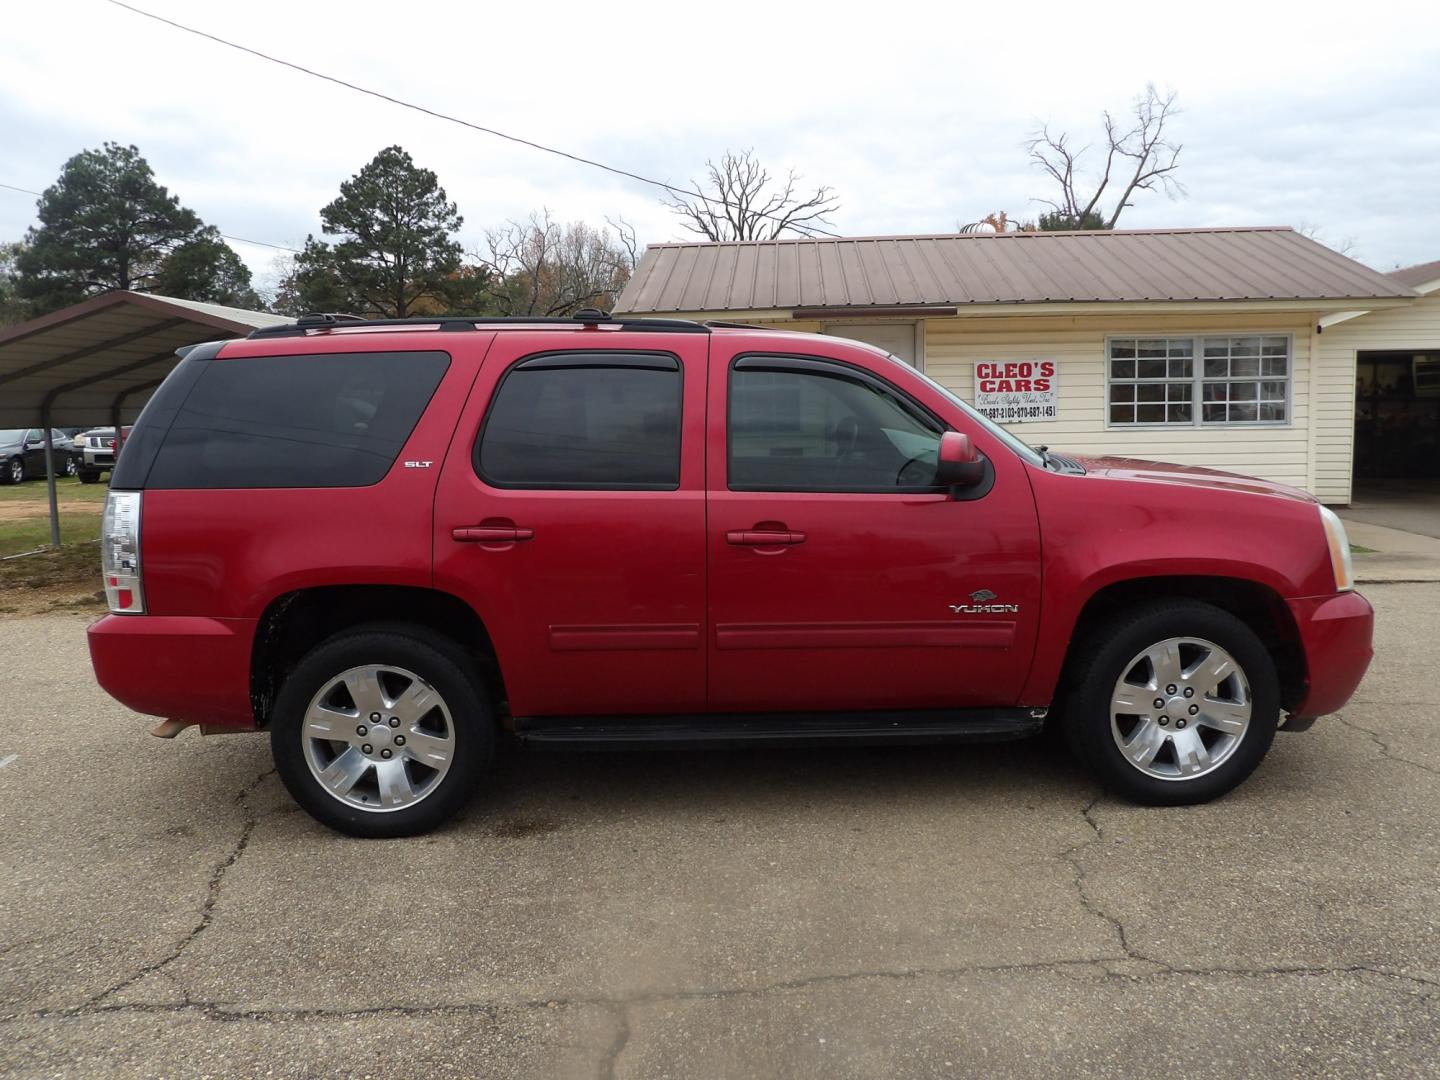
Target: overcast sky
<point>1295,114</point>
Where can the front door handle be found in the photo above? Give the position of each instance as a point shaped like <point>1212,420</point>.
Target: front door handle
<point>762,538</point>
<point>491,534</point>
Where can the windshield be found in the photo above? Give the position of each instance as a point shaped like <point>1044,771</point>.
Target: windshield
<point>1024,449</point>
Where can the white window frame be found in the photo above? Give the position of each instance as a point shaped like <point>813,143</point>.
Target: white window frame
<point>1197,382</point>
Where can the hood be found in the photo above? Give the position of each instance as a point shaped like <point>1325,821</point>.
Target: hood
<point>1159,472</point>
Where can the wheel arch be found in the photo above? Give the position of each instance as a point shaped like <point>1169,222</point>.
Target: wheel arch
<point>1257,605</point>
<point>295,622</point>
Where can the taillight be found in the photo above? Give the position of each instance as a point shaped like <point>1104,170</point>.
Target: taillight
<point>120,553</point>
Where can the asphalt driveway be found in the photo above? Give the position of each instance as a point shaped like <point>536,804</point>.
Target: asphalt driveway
<point>980,911</point>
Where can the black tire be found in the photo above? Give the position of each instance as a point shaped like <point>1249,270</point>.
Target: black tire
<point>87,477</point>
<point>15,471</point>
<point>436,660</point>
<point>1106,656</point>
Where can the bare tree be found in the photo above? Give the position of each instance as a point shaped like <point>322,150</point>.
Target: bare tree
<point>1345,245</point>
<point>540,267</point>
<point>1139,156</point>
<point>738,202</point>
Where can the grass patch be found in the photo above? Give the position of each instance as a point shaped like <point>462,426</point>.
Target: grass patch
<point>75,564</point>
<point>67,489</point>
<point>1360,549</point>
<point>67,579</point>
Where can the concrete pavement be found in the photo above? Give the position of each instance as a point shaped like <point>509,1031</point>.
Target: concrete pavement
<point>966,911</point>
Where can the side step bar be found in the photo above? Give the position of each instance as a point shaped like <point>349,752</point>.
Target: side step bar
<point>780,729</point>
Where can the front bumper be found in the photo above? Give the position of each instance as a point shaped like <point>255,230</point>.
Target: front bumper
<point>1335,632</point>
<point>99,459</point>
<point>179,667</point>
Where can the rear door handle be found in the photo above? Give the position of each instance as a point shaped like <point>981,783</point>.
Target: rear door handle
<point>761,538</point>
<point>491,534</point>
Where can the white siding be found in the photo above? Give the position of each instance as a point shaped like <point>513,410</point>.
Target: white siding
<point>1414,327</point>
<point>1078,345</point>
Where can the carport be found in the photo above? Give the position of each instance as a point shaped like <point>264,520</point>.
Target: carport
<point>98,362</point>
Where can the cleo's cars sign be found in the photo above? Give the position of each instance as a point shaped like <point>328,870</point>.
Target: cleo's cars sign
<point>1016,391</point>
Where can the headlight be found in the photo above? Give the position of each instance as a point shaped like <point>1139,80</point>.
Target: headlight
<point>1339,550</point>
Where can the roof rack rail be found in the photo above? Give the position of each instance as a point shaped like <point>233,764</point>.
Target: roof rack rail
<point>588,317</point>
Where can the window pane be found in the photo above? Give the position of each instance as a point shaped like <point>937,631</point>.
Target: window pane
<point>1152,369</point>
<point>1216,369</point>
<point>1178,414</point>
<point>1122,347</point>
<point>1272,391</point>
<point>1124,392</point>
<point>1150,414</point>
<point>1151,391</point>
<point>1274,346</point>
<point>1245,346</point>
<point>1180,369</point>
<point>1122,369</point>
<point>1213,413</point>
<point>1214,391</point>
<point>1151,347</point>
<point>1272,413</point>
<point>332,420</point>
<point>1274,366</point>
<point>1242,413</point>
<point>1244,391</point>
<point>799,431</point>
<point>1181,346</point>
<point>584,427</point>
<point>1122,414</point>
<point>1245,365</point>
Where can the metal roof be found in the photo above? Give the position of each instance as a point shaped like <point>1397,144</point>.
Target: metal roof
<point>83,362</point>
<point>886,272</point>
<point>1417,275</point>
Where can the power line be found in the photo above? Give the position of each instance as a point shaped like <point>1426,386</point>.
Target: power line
<point>803,229</point>
<point>227,236</point>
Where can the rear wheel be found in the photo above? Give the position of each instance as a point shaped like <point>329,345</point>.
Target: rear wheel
<point>1176,703</point>
<point>71,469</point>
<point>382,732</point>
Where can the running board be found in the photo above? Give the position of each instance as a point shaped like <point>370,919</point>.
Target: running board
<point>925,726</point>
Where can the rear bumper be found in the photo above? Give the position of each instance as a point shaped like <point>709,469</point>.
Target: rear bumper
<point>178,667</point>
<point>1335,632</point>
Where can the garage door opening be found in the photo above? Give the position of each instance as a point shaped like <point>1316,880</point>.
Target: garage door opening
<point>1397,440</point>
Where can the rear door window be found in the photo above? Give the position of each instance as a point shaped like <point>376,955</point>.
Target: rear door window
<point>585,421</point>
<point>318,420</point>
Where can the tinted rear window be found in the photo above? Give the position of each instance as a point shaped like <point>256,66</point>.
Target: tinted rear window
<point>328,420</point>
<point>592,421</point>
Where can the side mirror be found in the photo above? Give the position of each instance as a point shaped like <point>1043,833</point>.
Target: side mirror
<point>959,464</point>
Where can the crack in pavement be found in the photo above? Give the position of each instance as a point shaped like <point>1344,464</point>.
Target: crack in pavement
<point>1072,856</point>
<point>1384,746</point>
<point>207,909</point>
<point>621,1004</point>
<point>606,1070</point>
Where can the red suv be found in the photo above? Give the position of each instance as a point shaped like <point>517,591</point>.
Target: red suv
<point>386,542</point>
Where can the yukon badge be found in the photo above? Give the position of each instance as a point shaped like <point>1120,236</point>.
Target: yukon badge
<point>981,605</point>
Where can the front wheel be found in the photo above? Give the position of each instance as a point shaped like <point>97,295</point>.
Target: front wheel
<point>15,471</point>
<point>88,477</point>
<point>382,732</point>
<point>1176,703</point>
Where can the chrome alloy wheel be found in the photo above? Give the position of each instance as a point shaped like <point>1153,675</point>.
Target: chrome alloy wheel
<point>17,471</point>
<point>1180,709</point>
<point>379,738</point>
